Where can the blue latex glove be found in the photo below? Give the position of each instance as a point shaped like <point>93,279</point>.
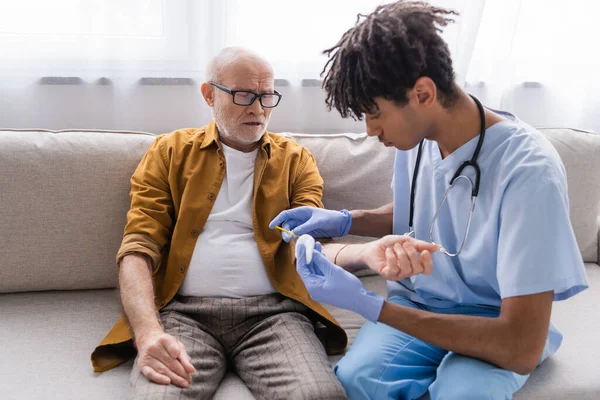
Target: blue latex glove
<point>316,222</point>
<point>328,283</point>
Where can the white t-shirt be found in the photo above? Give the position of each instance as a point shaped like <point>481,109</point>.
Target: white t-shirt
<point>226,261</point>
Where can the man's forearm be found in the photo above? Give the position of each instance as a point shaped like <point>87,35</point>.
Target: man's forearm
<point>489,339</point>
<point>137,294</point>
<point>347,256</point>
<point>373,223</point>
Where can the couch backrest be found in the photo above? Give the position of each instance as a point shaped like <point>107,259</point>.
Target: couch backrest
<point>357,170</point>
<point>580,153</point>
<point>63,202</point>
<point>64,197</point>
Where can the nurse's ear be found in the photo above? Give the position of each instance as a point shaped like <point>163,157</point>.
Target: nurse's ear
<point>424,92</point>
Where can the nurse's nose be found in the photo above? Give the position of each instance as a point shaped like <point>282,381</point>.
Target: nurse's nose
<point>371,131</point>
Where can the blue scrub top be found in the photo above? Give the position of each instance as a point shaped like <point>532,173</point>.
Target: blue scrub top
<point>520,241</point>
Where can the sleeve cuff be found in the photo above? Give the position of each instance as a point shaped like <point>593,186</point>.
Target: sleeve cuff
<point>136,243</point>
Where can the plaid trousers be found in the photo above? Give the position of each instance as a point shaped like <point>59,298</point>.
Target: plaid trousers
<point>268,340</point>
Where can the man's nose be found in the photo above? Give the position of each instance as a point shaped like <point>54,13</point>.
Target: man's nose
<point>255,108</point>
<point>372,131</point>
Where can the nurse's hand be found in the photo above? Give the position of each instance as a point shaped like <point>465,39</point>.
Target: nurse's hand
<point>328,283</point>
<point>397,257</point>
<point>316,222</point>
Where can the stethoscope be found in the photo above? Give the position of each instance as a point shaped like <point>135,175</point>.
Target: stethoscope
<point>474,192</point>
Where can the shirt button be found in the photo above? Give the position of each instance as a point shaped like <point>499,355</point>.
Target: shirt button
<point>181,269</point>
<point>211,196</point>
<point>195,232</point>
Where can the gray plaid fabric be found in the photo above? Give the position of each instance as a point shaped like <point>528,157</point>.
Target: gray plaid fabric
<point>268,340</point>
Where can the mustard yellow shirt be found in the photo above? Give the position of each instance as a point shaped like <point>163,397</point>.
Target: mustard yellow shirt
<point>172,193</point>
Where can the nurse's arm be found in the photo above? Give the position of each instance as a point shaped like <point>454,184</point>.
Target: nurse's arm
<point>373,223</point>
<point>513,341</point>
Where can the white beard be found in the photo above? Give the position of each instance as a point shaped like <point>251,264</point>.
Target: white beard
<point>236,133</point>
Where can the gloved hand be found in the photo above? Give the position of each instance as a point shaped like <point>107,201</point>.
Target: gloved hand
<point>316,222</point>
<point>328,283</point>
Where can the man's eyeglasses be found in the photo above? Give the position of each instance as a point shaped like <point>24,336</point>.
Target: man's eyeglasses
<point>246,98</point>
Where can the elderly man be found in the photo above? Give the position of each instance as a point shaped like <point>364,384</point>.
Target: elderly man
<point>197,247</point>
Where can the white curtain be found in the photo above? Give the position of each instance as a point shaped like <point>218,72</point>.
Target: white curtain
<point>540,59</point>
<point>137,64</point>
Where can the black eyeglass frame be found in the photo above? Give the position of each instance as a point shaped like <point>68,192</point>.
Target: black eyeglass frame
<point>256,95</point>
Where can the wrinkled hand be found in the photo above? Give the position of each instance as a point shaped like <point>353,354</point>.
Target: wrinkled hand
<point>163,359</point>
<point>328,283</point>
<point>316,222</point>
<point>397,257</point>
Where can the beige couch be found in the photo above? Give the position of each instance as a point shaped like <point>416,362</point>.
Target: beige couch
<point>63,200</point>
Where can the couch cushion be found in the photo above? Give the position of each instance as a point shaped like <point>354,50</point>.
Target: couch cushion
<point>64,199</point>
<point>357,169</point>
<point>48,336</point>
<point>580,152</point>
<point>572,373</point>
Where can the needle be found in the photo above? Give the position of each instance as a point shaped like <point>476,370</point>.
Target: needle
<point>286,231</point>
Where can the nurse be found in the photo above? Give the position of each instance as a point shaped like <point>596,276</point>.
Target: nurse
<point>484,198</point>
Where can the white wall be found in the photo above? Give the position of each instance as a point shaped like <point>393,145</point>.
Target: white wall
<point>152,108</point>
<point>163,107</point>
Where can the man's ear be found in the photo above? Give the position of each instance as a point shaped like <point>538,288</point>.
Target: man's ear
<point>425,91</point>
<point>208,93</point>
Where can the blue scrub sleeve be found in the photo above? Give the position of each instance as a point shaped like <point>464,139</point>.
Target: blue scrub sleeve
<point>537,249</point>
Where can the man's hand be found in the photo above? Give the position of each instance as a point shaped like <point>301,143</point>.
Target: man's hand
<point>397,257</point>
<point>163,359</point>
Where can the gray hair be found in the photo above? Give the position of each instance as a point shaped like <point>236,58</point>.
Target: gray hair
<point>225,57</point>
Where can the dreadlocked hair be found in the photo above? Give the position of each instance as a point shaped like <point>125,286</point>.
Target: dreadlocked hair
<point>385,53</point>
